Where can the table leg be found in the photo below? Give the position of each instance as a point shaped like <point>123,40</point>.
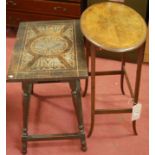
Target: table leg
<point>27,88</point>
<point>122,74</point>
<point>76,95</point>
<point>93,57</point>
<point>138,77</point>
<point>87,49</point>
<point>32,90</point>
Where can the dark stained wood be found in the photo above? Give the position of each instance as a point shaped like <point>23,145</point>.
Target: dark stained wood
<point>27,88</point>
<point>122,75</point>
<point>113,111</point>
<point>137,82</point>
<point>49,51</point>
<point>87,51</point>
<point>76,96</point>
<point>36,58</point>
<point>128,83</point>
<point>14,18</point>
<point>116,72</point>
<point>48,7</point>
<point>53,137</point>
<point>138,72</point>
<point>93,69</point>
<point>22,10</point>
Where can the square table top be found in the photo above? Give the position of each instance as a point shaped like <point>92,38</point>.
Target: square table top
<point>48,50</point>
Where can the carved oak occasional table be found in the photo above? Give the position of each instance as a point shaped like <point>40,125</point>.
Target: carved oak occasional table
<point>49,51</point>
<point>117,28</point>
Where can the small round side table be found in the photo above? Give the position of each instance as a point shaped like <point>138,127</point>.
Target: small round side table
<point>117,28</point>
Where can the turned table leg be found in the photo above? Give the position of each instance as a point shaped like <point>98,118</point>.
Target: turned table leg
<point>27,88</point>
<point>76,95</point>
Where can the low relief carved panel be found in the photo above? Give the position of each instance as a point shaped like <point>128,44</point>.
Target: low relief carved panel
<point>48,47</point>
<point>48,50</point>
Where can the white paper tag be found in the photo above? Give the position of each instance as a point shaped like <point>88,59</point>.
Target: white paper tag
<point>136,111</point>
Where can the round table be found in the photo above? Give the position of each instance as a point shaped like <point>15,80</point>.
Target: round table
<point>118,28</point>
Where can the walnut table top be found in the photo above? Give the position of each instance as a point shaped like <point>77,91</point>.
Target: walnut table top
<point>113,26</point>
<point>48,50</point>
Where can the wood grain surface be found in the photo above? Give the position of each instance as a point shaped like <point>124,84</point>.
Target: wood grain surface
<point>113,26</point>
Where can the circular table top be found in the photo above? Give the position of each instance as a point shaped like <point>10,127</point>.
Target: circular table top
<point>113,26</point>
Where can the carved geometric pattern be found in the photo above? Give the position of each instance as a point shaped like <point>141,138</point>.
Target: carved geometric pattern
<point>48,50</point>
<point>48,47</point>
